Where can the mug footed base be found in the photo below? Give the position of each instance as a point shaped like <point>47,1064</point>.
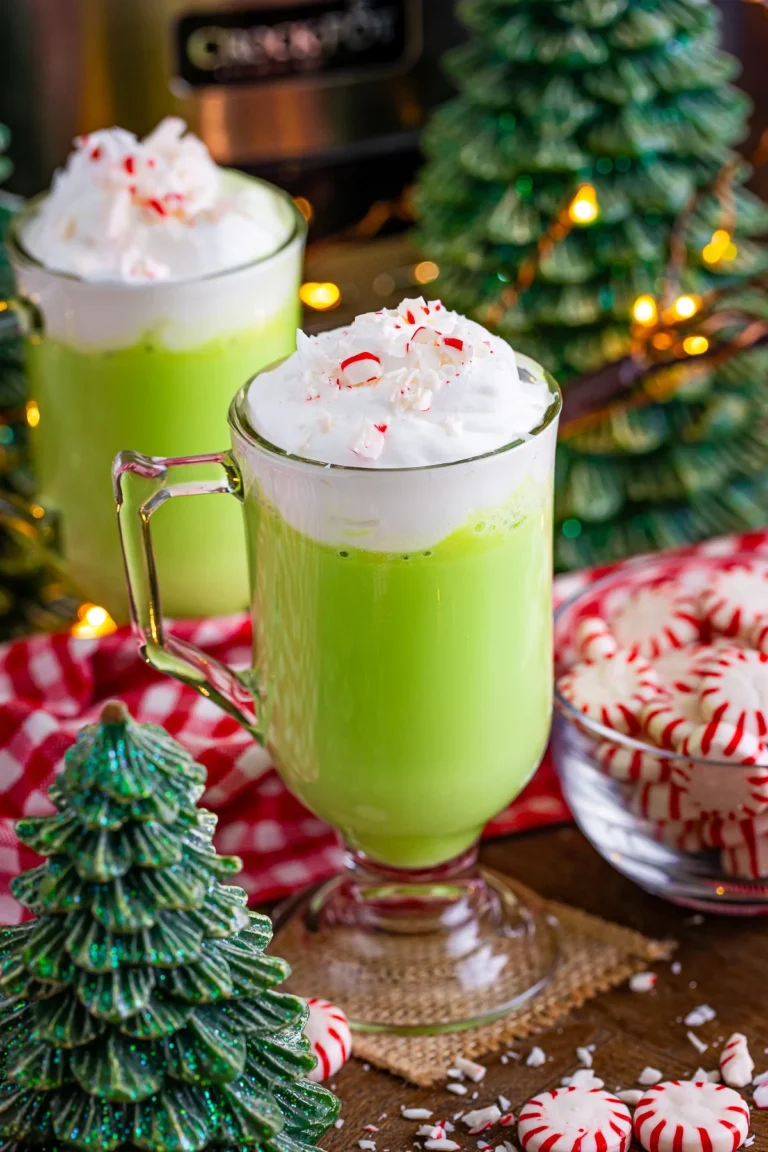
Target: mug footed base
<point>422,952</point>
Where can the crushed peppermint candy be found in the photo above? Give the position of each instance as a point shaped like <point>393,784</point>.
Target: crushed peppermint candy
<point>445,1145</point>
<point>760,1096</point>
<point>642,981</point>
<point>481,1119</point>
<point>697,1042</point>
<point>442,387</point>
<point>415,1113</point>
<point>338,1123</point>
<point>701,1076</point>
<point>631,1096</point>
<point>503,1103</point>
<point>367,1145</point>
<point>584,1056</point>
<point>536,1057</point>
<point>470,1068</point>
<point>582,1078</point>
<point>457,1089</point>
<point>650,1076</point>
<point>701,1015</point>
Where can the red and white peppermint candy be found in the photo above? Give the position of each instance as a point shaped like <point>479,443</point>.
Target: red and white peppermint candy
<point>747,861</point>
<point>736,1064</point>
<point>735,598</point>
<point>691,1116</point>
<point>719,833</point>
<point>655,619</point>
<point>594,638</point>
<point>685,835</point>
<point>759,634</point>
<point>611,691</point>
<point>633,764</point>
<point>672,717</point>
<point>574,1120</point>
<point>330,1037</point>
<point>733,793</point>
<point>361,368</point>
<point>663,802</point>
<point>734,688</point>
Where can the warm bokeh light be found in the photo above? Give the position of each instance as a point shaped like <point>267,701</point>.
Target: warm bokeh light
<point>584,208</point>
<point>426,272</point>
<point>685,307</point>
<point>662,341</point>
<point>37,511</point>
<point>715,251</point>
<point>645,311</point>
<point>305,208</point>
<point>93,621</point>
<point>33,413</point>
<point>321,297</point>
<point>695,345</point>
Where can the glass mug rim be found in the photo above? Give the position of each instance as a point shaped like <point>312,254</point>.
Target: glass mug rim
<point>240,423</point>
<point>22,256</point>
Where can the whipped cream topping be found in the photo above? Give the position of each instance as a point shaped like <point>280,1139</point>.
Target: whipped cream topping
<point>124,209</point>
<point>404,387</point>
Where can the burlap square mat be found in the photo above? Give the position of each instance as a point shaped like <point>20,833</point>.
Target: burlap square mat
<point>595,956</point>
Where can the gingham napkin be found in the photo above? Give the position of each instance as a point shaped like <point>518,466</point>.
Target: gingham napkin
<point>52,685</point>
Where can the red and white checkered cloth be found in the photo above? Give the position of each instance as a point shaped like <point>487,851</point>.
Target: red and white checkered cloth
<point>52,685</point>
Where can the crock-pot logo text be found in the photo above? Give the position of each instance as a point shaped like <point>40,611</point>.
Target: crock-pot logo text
<point>248,46</point>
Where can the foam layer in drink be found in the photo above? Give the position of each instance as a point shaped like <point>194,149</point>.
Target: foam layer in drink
<point>404,497</point>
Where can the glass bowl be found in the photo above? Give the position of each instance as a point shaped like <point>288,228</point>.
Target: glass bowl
<point>691,842</point>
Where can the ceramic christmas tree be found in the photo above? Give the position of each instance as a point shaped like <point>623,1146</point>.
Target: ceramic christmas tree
<point>140,1009</point>
<point>596,128</point>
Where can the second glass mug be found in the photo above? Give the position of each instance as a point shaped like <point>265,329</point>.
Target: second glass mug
<point>402,683</point>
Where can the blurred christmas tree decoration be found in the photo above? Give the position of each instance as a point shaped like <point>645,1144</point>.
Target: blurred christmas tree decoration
<point>34,593</point>
<point>582,197</point>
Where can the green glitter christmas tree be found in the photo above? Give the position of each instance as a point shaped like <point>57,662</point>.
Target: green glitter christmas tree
<point>629,100</point>
<point>139,1008</point>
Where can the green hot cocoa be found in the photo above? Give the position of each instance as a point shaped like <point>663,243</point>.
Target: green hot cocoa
<point>406,697</point>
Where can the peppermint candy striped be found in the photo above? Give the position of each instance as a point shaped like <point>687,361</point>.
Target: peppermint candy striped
<point>663,802</point>
<point>719,833</point>
<point>734,688</point>
<point>736,598</point>
<point>594,639</point>
<point>672,717</point>
<point>736,1064</point>
<point>747,861</point>
<point>575,1120</point>
<point>656,619</point>
<point>691,1116</point>
<point>684,835</point>
<point>330,1038</point>
<point>758,637</point>
<point>732,793</point>
<point>632,764</point>
<point>611,691</point>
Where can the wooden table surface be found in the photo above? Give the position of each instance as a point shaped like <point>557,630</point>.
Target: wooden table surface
<point>724,963</point>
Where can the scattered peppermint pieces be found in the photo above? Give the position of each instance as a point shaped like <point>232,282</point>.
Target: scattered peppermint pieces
<point>481,1119</point>
<point>760,1096</point>
<point>642,981</point>
<point>698,1043</point>
<point>701,1015</point>
<point>416,1113</point>
<point>676,968</point>
<point>470,1068</point>
<point>457,1089</point>
<point>736,1064</point>
<point>650,1076</point>
<point>536,1057</point>
<point>584,1056</point>
<point>583,1078</point>
<point>631,1096</point>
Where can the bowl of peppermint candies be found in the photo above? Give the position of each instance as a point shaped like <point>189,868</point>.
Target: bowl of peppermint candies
<point>660,735</point>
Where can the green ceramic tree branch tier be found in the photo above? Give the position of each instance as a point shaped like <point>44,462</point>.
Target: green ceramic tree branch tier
<point>139,1009</point>
<point>634,98</point>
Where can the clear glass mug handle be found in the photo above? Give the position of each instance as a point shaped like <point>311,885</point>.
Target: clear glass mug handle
<point>140,487</point>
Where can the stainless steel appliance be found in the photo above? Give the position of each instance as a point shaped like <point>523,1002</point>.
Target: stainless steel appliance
<point>326,97</point>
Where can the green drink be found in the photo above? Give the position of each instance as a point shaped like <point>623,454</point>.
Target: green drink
<point>398,715</point>
<point>145,337</point>
<point>396,479</point>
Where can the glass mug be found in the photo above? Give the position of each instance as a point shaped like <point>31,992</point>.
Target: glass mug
<point>112,361</point>
<point>402,683</point>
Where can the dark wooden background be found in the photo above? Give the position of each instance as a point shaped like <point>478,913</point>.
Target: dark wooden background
<point>724,963</point>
